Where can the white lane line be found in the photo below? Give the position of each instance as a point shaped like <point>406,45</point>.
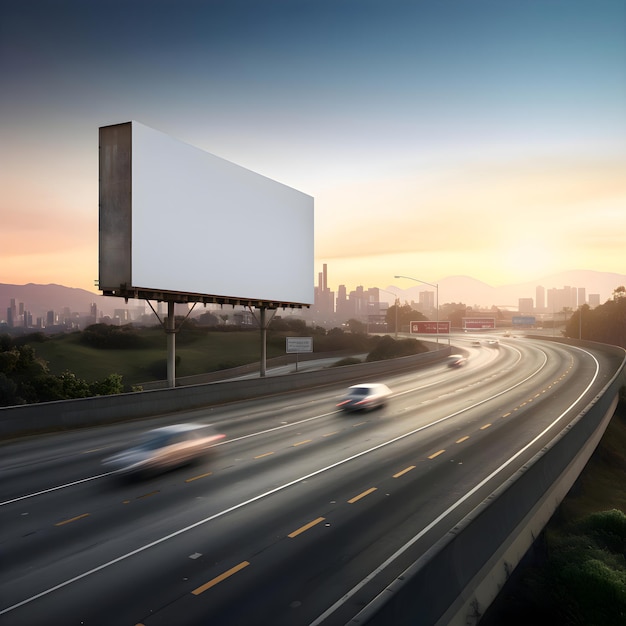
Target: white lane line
<point>201,522</point>
<point>233,440</point>
<point>39,493</point>
<point>450,509</point>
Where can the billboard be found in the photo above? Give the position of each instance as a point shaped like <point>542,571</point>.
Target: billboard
<point>430,328</point>
<point>477,323</point>
<point>183,223</point>
<point>524,320</point>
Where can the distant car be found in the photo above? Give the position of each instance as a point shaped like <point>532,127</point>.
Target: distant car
<point>365,396</point>
<point>456,360</point>
<point>493,343</point>
<point>476,343</point>
<point>164,448</point>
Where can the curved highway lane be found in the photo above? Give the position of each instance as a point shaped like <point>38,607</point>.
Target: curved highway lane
<point>301,515</point>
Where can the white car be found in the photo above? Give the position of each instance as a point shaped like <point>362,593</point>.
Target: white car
<point>365,396</point>
<point>164,448</point>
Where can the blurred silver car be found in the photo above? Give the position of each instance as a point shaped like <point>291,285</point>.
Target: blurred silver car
<point>456,360</point>
<point>365,396</point>
<point>164,448</point>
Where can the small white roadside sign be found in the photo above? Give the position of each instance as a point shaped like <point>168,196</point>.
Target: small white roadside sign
<point>299,344</point>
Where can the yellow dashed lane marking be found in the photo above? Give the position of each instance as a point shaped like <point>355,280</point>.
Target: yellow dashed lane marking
<point>432,456</point>
<point>485,426</point>
<point>462,439</point>
<point>295,533</point>
<point>362,495</point>
<point>73,519</point>
<point>147,495</point>
<point>404,471</point>
<point>329,434</point>
<point>190,480</point>
<point>300,443</point>
<point>220,578</point>
<point>262,455</point>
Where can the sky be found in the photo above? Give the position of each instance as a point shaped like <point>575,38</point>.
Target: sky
<point>484,138</point>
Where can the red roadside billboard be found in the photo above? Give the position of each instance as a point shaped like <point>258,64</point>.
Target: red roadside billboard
<point>430,328</point>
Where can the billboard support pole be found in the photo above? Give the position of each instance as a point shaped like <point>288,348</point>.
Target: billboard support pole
<point>169,325</point>
<point>170,331</point>
<point>263,325</point>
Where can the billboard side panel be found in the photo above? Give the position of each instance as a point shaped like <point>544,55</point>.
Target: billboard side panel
<point>201,224</point>
<point>114,206</point>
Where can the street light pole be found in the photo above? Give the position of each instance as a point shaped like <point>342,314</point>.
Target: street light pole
<point>436,286</point>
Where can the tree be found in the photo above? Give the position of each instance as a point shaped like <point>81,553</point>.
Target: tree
<point>454,312</point>
<point>406,315</point>
<point>356,326</point>
<point>605,324</point>
<point>208,319</point>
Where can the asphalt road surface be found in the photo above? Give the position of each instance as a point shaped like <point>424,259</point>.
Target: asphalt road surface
<point>299,517</point>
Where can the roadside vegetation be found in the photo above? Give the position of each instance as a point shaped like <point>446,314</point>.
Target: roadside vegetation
<point>605,324</point>
<point>575,575</point>
<point>106,359</point>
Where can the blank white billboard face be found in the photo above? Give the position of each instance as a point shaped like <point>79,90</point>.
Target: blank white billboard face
<point>200,224</point>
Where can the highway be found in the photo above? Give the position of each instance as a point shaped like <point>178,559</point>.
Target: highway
<point>299,517</point>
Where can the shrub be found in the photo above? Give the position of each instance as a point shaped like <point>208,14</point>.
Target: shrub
<point>389,348</point>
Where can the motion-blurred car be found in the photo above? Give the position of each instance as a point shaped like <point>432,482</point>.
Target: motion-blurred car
<point>164,448</point>
<point>456,360</point>
<point>365,396</point>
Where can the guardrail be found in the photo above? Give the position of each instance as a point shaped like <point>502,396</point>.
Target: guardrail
<point>457,579</point>
<point>65,414</point>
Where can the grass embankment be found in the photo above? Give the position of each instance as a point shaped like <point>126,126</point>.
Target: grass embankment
<point>205,352</point>
<point>577,576</point>
<point>140,355</point>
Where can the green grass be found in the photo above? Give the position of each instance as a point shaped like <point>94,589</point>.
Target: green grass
<point>197,354</point>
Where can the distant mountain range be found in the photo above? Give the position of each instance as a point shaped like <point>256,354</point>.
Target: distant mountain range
<point>472,292</point>
<point>39,299</point>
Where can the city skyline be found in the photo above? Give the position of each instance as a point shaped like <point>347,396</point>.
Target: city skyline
<point>484,139</point>
<point>37,311</point>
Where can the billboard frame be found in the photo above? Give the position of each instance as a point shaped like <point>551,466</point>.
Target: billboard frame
<point>154,191</point>
<point>125,194</point>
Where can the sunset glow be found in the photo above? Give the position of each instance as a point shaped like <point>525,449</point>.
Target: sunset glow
<point>485,139</point>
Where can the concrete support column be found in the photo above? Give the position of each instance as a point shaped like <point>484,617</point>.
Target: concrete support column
<point>170,331</point>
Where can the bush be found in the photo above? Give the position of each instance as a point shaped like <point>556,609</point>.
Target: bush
<point>389,348</point>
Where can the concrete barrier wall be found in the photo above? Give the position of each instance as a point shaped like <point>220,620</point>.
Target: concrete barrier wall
<point>457,579</point>
<point>51,416</point>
